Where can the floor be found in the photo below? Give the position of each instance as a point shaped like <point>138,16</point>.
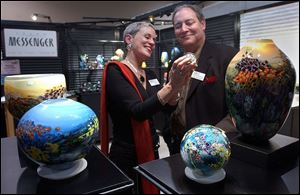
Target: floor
<point>163,149</point>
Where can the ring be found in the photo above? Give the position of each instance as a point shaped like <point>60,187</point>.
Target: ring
<point>177,71</point>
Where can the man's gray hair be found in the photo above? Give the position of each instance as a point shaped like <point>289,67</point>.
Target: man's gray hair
<point>135,27</point>
<point>195,9</point>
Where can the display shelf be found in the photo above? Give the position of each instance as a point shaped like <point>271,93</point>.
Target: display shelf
<point>86,70</point>
<point>92,42</point>
<point>241,178</point>
<point>19,175</point>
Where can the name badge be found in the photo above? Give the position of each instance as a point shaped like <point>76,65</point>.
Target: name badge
<point>198,75</point>
<point>153,82</point>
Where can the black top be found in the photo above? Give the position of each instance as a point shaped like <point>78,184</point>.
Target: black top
<point>123,103</point>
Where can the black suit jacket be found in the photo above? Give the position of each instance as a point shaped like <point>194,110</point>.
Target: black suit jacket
<point>206,102</point>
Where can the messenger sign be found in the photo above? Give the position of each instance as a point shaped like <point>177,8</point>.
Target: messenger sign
<point>30,43</point>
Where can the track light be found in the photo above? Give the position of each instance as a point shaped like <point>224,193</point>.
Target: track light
<point>35,16</point>
<point>151,19</point>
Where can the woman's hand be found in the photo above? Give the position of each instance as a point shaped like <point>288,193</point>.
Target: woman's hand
<point>179,75</point>
<point>181,72</point>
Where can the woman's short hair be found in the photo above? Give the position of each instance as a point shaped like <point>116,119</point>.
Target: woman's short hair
<point>135,27</point>
<point>195,9</point>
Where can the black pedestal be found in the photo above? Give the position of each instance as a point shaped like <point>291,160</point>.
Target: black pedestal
<point>279,150</point>
<point>92,100</point>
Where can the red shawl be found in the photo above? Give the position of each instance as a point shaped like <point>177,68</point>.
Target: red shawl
<point>141,130</point>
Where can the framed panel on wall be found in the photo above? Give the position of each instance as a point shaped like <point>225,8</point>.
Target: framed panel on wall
<point>30,43</point>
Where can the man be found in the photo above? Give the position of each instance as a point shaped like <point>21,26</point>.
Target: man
<point>203,98</point>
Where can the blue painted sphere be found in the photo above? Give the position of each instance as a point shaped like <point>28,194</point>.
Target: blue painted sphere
<point>57,131</point>
<point>205,148</point>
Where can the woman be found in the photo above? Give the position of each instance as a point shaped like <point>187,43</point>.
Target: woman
<point>132,96</point>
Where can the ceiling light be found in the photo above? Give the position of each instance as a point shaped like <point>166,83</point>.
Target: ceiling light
<point>151,19</point>
<point>35,16</point>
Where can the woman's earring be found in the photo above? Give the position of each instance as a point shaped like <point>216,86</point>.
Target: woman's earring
<point>129,46</point>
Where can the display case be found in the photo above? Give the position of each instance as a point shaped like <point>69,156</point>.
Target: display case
<point>85,48</point>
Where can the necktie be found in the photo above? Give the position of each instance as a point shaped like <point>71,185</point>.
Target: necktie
<point>178,122</point>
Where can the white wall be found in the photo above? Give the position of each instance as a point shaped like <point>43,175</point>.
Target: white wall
<point>219,8</point>
<point>288,44</point>
<point>73,11</point>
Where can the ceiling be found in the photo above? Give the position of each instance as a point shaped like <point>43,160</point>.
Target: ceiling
<point>74,11</point>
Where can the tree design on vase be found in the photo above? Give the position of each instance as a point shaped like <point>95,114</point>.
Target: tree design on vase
<point>259,85</point>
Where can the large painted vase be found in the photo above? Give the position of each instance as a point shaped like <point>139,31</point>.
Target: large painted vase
<point>24,91</point>
<point>259,84</point>
<point>57,131</point>
<point>205,148</point>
